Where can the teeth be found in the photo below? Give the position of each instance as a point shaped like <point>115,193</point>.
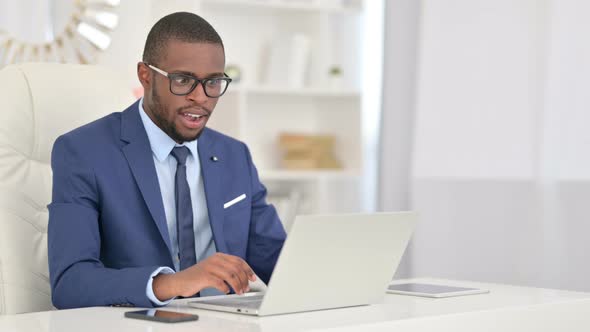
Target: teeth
<point>196,116</point>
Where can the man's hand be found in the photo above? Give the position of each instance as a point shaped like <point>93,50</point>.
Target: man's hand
<point>217,271</point>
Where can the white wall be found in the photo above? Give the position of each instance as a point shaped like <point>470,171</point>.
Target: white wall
<point>397,118</point>
<point>128,39</point>
<point>501,162</point>
<point>477,88</point>
<point>12,24</point>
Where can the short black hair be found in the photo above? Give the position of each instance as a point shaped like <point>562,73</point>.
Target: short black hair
<point>181,26</point>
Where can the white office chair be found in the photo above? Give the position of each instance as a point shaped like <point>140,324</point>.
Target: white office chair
<point>38,103</point>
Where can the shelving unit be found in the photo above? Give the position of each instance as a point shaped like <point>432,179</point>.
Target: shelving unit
<point>290,175</point>
<point>303,92</point>
<point>256,111</point>
<point>292,5</point>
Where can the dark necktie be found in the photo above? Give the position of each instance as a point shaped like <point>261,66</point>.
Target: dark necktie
<point>184,211</point>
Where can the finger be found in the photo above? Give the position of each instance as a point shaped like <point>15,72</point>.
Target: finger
<point>214,275</point>
<point>236,284</point>
<point>237,261</point>
<point>230,275</point>
<point>240,278</point>
<point>244,267</point>
<point>221,286</point>
<point>238,269</point>
<point>243,272</point>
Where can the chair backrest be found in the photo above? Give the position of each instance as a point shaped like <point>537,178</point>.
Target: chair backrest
<point>39,102</point>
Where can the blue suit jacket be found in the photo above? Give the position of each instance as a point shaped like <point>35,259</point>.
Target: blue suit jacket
<point>107,228</point>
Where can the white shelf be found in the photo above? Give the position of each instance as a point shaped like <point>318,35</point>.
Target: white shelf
<point>260,108</point>
<point>311,6</point>
<point>300,175</point>
<point>304,92</point>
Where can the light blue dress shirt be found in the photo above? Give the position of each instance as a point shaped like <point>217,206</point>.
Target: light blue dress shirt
<point>162,145</point>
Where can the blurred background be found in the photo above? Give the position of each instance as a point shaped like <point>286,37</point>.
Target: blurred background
<point>471,112</point>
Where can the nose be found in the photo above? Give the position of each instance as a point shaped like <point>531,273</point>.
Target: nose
<point>198,94</point>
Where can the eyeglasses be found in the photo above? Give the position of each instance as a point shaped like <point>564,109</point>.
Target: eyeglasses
<point>183,84</point>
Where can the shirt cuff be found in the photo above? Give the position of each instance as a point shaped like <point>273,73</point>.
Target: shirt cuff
<point>149,290</point>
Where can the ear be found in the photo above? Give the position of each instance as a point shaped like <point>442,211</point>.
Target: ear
<point>144,75</point>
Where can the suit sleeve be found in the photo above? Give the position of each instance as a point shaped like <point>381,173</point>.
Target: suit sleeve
<point>267,233</point>
<point>78,277</point>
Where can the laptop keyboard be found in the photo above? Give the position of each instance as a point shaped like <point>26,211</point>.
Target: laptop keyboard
<point>250,302</point>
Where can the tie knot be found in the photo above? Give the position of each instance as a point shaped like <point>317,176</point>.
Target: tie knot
<point>180,153</point>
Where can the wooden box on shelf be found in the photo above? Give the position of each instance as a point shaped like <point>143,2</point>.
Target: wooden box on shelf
<point>301,151</point>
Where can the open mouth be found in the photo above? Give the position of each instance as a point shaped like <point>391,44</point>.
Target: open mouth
<point>193,120</point>
<point>193,117</point>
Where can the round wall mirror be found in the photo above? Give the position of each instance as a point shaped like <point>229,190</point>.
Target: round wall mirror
<point>72,31</point>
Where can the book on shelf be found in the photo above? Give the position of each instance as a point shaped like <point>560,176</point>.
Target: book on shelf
<point>288,62</point>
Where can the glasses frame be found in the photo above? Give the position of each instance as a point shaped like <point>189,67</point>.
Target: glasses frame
<point>197,81</point>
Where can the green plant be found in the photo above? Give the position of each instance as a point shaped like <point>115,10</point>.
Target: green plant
<point>335,71</point>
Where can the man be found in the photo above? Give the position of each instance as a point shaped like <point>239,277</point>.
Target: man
<point>149,204</point>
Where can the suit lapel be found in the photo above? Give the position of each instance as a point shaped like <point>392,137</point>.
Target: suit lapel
<point>139,156</point>
<point>212,173</point>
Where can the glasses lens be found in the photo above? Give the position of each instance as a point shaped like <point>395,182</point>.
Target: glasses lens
<point>215,87</point>
<point>181,84</point>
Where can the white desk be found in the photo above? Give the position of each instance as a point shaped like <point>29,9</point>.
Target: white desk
<point>505,308</point>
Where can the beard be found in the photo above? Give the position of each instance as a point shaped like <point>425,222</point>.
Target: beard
<point>167,126</point>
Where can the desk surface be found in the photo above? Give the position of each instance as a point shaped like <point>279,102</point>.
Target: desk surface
<point>505,308</point>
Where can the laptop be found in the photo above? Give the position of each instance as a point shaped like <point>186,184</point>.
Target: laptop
<point>327,261</point>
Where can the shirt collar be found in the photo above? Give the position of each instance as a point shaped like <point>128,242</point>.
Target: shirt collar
<point>160,142</point>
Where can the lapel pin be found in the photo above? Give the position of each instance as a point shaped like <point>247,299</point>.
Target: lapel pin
<point>214,158</point>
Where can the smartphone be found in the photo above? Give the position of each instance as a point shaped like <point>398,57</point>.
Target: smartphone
<point>161,316</point>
